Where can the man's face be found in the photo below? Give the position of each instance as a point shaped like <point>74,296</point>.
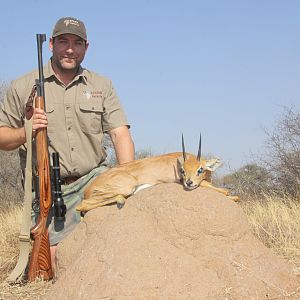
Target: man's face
<point>68,51</point>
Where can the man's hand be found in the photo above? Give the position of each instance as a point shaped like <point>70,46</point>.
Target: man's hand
<point>39,120</point>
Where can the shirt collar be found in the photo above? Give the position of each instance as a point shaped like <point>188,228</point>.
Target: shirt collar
<point>48,72</point>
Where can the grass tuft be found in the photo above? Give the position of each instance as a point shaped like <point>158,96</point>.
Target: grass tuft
<point>276,222</point>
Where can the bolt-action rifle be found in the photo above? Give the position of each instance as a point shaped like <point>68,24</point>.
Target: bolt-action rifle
<point>40,259</point>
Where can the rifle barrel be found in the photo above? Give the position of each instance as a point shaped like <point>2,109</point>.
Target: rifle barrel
<point>40,38</point>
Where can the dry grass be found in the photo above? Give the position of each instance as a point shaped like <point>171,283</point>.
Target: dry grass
<point>275,221</point>
<point>10,220</point>
<point>9,228</point>
<point>32,291</point>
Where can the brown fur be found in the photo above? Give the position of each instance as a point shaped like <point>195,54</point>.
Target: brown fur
<point>118,183</point>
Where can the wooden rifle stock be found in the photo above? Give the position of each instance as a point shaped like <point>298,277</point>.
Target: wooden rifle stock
<point>40,260</point>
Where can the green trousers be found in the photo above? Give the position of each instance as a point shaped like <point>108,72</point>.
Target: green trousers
<point>72,195</point>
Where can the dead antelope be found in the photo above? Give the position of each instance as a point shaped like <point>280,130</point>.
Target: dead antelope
<point>118,183</point>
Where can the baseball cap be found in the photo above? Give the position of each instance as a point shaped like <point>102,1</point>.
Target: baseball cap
<point>69,25</point>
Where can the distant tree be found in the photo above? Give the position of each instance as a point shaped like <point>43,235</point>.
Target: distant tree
<point>143,153</point>
<point>278,171</point>
<point>248,181</point>
<point>283,153</point>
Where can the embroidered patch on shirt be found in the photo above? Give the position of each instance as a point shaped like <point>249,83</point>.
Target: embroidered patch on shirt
<point>92,94</point>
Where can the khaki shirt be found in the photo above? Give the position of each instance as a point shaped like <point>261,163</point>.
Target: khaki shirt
<point>78,115</point>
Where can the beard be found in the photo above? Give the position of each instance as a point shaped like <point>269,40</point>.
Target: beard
<point>66,64</point>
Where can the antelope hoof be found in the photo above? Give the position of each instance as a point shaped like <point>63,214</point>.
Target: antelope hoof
<point>234,198</point>
<point>120,204</point>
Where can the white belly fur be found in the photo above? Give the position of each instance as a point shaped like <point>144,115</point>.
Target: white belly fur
<point>141,187</point>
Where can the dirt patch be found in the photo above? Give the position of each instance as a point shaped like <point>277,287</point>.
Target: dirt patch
<point>167,243</point>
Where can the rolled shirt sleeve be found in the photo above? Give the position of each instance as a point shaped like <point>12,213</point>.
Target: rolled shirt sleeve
<point>12,108</point>
<point>113,113</point>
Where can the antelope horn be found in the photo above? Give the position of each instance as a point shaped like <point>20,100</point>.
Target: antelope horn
<point>199,149</point>
<point>183,149</point>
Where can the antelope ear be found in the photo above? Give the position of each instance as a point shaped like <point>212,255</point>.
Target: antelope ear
<point>180,162</point>
<point>213,164</point>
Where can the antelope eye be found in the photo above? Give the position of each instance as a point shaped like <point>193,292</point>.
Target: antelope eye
<point>199,171</point>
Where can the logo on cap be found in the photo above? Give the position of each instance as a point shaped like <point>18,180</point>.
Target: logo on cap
<point>71,22</point>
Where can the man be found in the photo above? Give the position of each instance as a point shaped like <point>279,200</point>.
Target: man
<point>80,107</point>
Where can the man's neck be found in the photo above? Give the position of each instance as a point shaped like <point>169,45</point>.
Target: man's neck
<point>65,76</point>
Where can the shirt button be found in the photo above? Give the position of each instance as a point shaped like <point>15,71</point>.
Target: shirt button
<point>72,149</point>
<point>69,128</point>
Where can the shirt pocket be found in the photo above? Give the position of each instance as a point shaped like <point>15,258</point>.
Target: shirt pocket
<point>90,116</point>
<point>50,113</point>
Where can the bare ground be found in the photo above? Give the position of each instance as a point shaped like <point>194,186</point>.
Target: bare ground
<point>167,243</point>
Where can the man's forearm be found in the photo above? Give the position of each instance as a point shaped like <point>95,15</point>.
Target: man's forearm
<point>125,150</point>
<point>11,138</point>
<point>123,144</point>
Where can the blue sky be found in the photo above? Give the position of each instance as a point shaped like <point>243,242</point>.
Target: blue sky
<point>222,68</point>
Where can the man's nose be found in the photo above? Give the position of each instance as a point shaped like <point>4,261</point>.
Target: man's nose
<point>70,48</point>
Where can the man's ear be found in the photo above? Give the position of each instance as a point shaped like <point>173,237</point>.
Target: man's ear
<point>51,44</point>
